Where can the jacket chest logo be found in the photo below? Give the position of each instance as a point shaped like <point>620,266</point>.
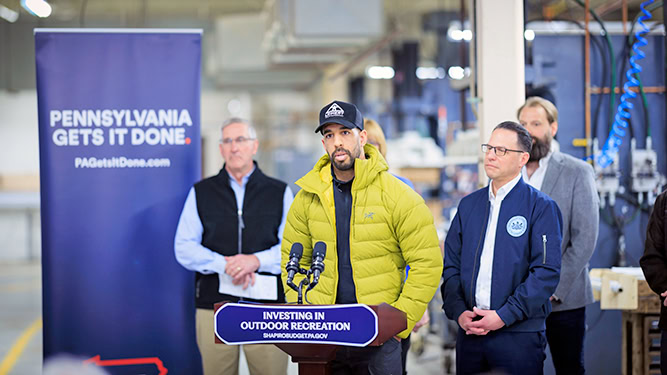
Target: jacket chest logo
<point>369,215</point>
<point>516,226</point>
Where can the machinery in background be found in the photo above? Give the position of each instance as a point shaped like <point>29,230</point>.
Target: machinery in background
<point>628,184</point>
<point>646,179</point>
<point>555,70</point>
<point>607,180</point>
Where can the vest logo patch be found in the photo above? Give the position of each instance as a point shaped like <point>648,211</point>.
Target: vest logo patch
<point>334,110</point>
<point>516,226</point>
<point>369,215</point>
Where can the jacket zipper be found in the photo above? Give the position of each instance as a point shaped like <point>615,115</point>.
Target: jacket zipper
<point>544,252</point>
<point>241,226</point>
<point>474,266</point>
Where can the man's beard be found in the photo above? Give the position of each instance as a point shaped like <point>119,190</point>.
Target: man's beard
<point>541,148</point>
<point>345,165</point>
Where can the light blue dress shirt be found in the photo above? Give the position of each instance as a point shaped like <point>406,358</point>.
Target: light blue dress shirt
<point>192,255</point>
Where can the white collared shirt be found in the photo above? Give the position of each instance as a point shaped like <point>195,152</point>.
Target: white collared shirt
<point>483,289</point>
<point>537,178</point>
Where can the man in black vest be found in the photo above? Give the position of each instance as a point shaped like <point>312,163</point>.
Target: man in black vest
<point>230,232</point>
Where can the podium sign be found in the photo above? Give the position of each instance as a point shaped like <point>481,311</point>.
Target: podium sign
<point>350,325</point>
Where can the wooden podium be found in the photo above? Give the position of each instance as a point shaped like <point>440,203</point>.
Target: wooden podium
<point>315,358</point>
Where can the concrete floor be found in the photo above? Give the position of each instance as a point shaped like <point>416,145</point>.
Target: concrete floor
<point>21,333</point>
<point>21,301</point>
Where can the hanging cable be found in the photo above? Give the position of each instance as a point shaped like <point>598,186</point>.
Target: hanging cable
<point>606,156</point>
<point>612,60</point>
<point>603,80</point>
<point>603,59</point>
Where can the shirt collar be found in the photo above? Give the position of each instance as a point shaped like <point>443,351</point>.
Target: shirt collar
<point>504,190</point>
<point>336,180</point>
<point>545,160</point>
<point>245,178</point>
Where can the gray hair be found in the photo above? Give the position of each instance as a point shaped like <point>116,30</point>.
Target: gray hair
<point>252,133</point>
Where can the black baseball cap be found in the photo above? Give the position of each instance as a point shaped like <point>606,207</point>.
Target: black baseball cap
<point>342,113</point>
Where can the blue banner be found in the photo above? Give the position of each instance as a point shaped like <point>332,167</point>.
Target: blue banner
<point>350,325</point>
<point>119,140</point>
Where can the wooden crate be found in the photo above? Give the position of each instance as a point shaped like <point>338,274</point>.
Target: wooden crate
<point>640,308</point>
<point>651,345</point>
<point>649,302</point>
<point>637,348</point>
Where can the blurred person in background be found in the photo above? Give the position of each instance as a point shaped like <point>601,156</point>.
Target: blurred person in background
<point>66,364</point>
<point>230,232</point>
<point>571,183</point>
<point>654,265</point>
<point>376,138</point>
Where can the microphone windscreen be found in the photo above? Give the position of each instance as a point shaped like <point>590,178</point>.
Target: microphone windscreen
<point>296,251</point>
<point>320,249</point>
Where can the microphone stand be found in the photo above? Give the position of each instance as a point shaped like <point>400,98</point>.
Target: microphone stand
<point>304,282</point>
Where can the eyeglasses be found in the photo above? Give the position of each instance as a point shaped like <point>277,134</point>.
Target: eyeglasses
<point>498,150</point>
<point>238,140</point>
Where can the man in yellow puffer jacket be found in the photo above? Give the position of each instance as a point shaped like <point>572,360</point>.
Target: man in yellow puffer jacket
<point>373,225</point>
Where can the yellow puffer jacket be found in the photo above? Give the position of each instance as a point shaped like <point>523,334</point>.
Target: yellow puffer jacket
<point>390,227</point>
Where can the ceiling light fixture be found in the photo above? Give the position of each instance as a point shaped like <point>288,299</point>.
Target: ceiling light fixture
<point>380,72</point>
<point>8,14</point>
<point>39,8</point>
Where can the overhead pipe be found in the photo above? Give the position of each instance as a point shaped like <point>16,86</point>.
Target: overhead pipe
<point>363,55</point>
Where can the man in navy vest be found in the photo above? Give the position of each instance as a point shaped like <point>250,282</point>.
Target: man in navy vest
<point>502,263</point>
<point>230,233</point>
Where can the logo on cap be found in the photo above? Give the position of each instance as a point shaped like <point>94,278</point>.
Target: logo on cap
<point>334,110</point>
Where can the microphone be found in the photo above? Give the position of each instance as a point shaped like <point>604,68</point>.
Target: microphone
<point>317,266</point>
<point>292,266</point>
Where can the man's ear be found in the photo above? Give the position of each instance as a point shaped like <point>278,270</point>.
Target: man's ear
<point>255,146</point>
<point>525,156</point>
<point>554,128</point>
<point>363,137</point>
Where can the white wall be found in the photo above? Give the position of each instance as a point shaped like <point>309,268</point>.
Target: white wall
<point>19,158</point>
<point>19,144</point>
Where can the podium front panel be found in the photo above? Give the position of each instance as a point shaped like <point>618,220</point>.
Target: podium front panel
<point>244,323</point>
